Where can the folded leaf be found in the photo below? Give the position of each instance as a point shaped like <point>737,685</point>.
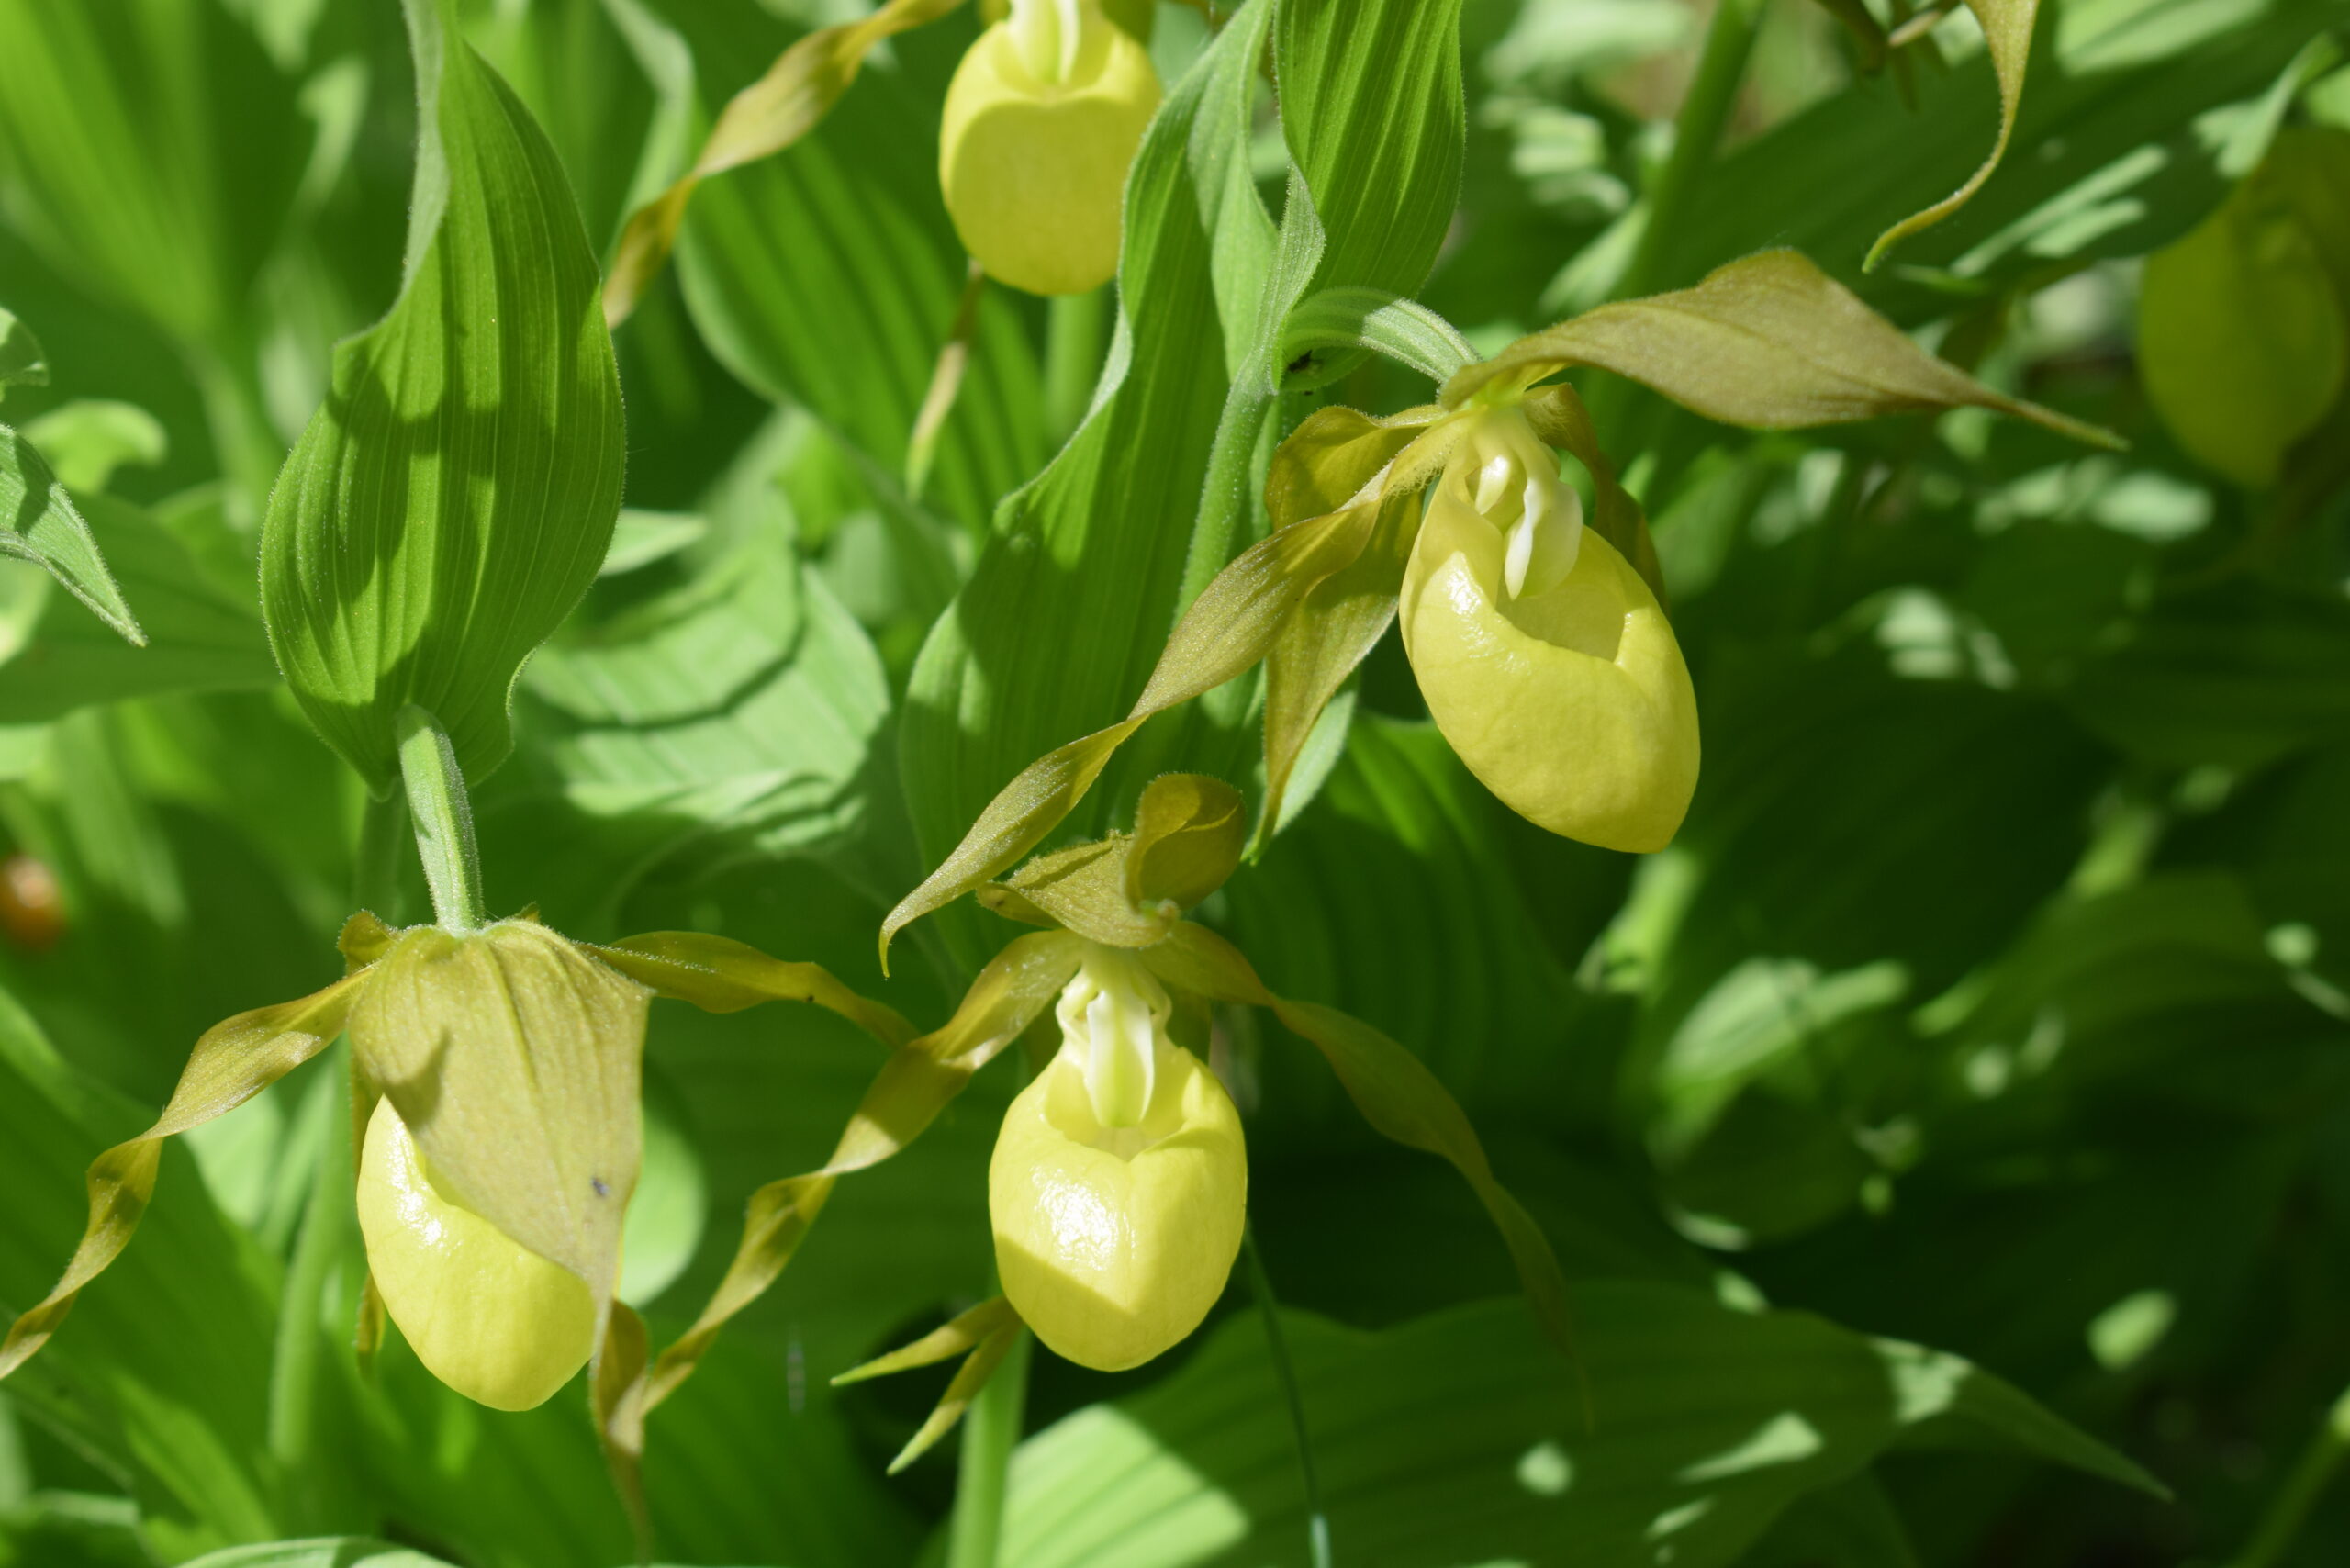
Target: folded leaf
<point>454,495</point>
<point>918,1081</point>
<point>38,523</point>
<point>235,1060</point>
<point>2006,32</point>
<point>1394,1089</point>
<point>1403,329</point>
<point>1769,341</point>
<point>762,120</point>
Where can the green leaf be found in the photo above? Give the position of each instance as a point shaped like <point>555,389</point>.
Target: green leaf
<point>739,713</point>
<point>2006,36</point>
<point>198,639</point>
<point>39,523</point>
<point>455,495</point>
<point>1457,1439</point>
<point>1403,329</point>
<point>87,440</point>
<point>22,364</point>
<point>151,150</point>
<point>1769,341</point>
<point>339,1552</point>
<point>2230,676</point>
<point>640,538</point>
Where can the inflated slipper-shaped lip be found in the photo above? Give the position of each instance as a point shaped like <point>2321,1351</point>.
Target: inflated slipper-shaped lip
<point>1572,705</point>
<point>1114,1242</point>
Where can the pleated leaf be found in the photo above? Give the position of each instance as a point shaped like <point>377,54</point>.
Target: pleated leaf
<point>150,147</point>
<point>455,494</point>
<point>1457,1439</point>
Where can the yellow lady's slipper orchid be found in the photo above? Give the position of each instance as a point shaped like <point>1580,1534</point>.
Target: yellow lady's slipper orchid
<point>486,1315</point>
<point>1042,119</point>
<point>1119,1184</point>
<point>1544,657</point>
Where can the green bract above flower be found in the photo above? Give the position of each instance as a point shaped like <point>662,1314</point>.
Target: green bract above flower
<point>1042,119</point>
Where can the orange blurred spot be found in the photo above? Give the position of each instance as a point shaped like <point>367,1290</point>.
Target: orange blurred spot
<point>31,912</point>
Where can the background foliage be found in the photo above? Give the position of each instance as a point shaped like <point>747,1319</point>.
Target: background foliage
<point>1995,999</point>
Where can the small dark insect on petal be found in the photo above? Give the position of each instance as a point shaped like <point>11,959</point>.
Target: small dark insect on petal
<point>598,1182</point>
<point>1304,362</point>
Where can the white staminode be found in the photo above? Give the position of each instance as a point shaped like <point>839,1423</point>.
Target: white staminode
<point>1516,488</point>
<point>1113,1020</point>
<point>1050,34</point>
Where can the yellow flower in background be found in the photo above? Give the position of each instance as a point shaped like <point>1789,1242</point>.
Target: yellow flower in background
<point>1118,1188</point>
<point>1544,657</point>
<point>1042,119</point>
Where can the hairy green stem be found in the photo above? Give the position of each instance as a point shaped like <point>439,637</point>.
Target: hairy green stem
<point>2288,1510</point>
<point>1260,1285</point>
<point>301,1336</point>
<point>444,822</point>
<point>1073,342</point>
<point>990,1431</point>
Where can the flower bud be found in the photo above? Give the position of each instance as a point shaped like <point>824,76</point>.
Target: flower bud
<point>487,1316</point>
<point>1119,1183</point>
<point>1042,119</point>
<point>1544,657</point>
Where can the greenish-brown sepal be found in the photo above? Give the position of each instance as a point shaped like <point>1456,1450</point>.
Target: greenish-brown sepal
<point>719,974</point>
<point>1768,342</point>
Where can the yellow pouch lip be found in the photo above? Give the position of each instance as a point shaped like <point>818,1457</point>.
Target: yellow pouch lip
<point>1022,161</point>
<point>1115,1254</point>
<point>460,1288</point>
<point>1596,741</point>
